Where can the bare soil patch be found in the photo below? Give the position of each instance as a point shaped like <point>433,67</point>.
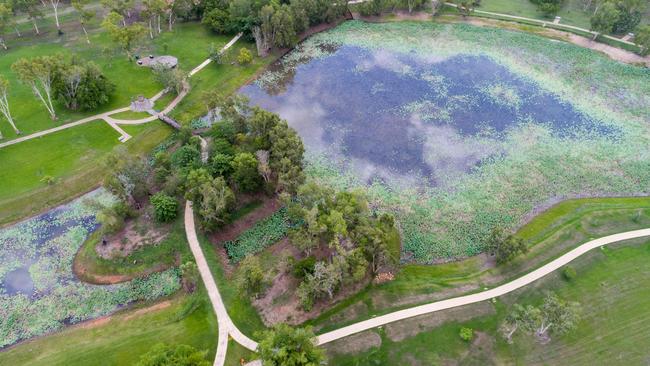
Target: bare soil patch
<point>280,303</point>
<point>159,306</point>
<point>410,327</point>
<point>137,233</point>
<point>355,343</point>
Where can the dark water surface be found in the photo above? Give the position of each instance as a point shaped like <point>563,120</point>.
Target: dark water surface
<point>397,115</point>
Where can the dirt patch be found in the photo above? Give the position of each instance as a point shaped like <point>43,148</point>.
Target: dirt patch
<point>355,343</point>
<point>382,301</point>
<point>411,327</point>
<point>280,303</point>
<point>94,323</point>
<point>137,233</point>
<point>350,313</point>
<point>481,351</point>
<point>159,306</point>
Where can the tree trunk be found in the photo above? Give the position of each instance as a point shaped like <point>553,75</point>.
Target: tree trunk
<point>150,29</point>
<point>2,42</point>
<point>159,30</point>
<point>83,27</point>
<point>35,26</point>
<point>55,5</point>
<point>18,32</point>
<point>170,20</point>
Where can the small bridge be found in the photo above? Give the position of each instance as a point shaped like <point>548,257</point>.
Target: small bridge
<point>170,121</point>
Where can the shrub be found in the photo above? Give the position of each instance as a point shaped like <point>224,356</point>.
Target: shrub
<point>569,273</point>
<point>179,355</point>
<point>245,57</point>
<point>165,208</point>
<point>251,280</point>
<point>466,334</point>
<point>224,130</point>
<point>304,267</point>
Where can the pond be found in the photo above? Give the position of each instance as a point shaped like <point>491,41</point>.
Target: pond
<point>394,115</point>
<point>457,129</point>
<point>39,291</point>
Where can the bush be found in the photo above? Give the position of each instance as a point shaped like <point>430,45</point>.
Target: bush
<point>165,208</point>
<point>466,334</point>
<point>569,273</point>
<point>245,57</point>
<point>179,355</point>
<point>304,267</point>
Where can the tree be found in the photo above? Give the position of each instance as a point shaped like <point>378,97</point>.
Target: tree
<point>84,15</point>
<point>554,316</point>
<point>125,36</point>
<point>630,14</point>
<point>286,346</point>
<point>505,248</point>
<point>642,38</point>
<point>121,7</point>
<point>193,183</point>
<point>32,8</point>
<point>286,158</point>
<point>39,73</point>
<point>4,103</point>
<point>464,7</point>
<point>189,276</point>
<point>548,7</point>
<point>128,176</point>
<point>82,86</point>
<point>221,165</point>
<point>6,19</point>
<point>179,355</point>
<point>244,57</point>
<point>165,208</point>
<point>603,20</point>
<point>216,201</point>
<point>284,29</point>
<point>152,11</point>
<point>263,164</point>
<point>218,20</point>
<point>245,172</point>
<point>172,79</point>
<point>187,156</point>
<point>251,279</point>
<point>55,7</point>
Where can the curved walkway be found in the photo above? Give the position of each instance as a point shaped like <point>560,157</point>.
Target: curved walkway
<point>227,327</point>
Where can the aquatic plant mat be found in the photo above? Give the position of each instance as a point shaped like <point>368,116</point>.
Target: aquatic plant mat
<point>457,128</point>
<point>39,292</point>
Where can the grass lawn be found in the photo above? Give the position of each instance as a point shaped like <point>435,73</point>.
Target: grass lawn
<point>122,339</point>
<point>130,115</point>
<point>72,157</point>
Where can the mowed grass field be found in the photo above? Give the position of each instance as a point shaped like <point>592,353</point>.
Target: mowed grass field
<point>125,336</point>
